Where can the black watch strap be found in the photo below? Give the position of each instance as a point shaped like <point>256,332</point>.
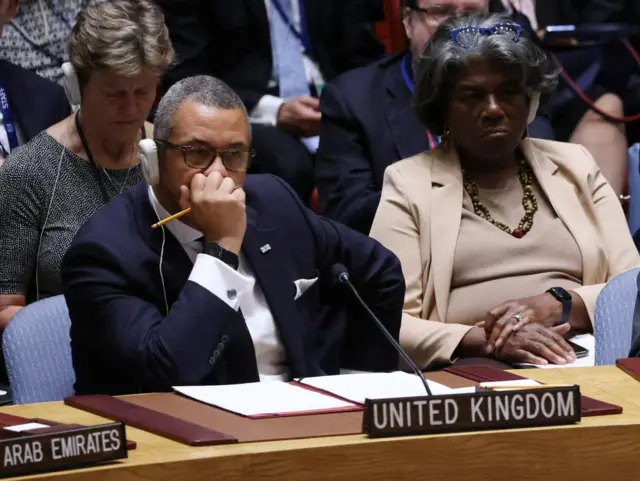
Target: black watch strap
<point>216,250</point>
<point>562,296</point>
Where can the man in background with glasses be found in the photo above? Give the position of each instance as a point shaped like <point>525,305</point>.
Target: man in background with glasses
<point>240,289</point>
<point>367,121</point>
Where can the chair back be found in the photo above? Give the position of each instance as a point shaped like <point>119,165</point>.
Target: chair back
<point>37,350</point>
<point>633,188</point>
<point>614,314</point>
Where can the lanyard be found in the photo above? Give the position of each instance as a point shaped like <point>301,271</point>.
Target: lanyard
<point>94,164</point>
<point>433,141</point>
<point>301,35</point>
<point>7,120</point>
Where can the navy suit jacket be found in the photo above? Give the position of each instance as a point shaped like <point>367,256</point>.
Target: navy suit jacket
<point>367,125</point>
<point>36,103</point>
<point>123,341</point>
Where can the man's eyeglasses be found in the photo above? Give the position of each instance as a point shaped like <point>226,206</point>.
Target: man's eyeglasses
<point>469,37</point>
<point>237,159</point>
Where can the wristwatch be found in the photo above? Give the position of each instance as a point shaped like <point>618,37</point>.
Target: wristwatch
<point>562,296</point>
<point>216,250</point>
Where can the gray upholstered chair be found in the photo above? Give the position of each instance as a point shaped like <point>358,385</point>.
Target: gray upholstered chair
<point>613,323</point>
<point>37,352</point>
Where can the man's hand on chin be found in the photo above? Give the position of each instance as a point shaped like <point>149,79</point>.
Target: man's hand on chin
<point>217,208</point>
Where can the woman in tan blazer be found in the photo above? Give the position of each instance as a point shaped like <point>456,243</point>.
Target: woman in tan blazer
<point>505,241</point>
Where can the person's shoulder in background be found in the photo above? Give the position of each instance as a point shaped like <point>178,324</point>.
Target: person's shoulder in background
<point>361,80</point>
<point>37,103</point>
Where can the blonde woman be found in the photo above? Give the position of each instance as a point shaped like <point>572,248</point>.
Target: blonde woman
<point>119,49</point>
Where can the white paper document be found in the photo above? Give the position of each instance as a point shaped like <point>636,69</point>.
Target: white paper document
<point>263,398</point>
<point>358,387</point>
<point>584,340</point>
<point>26,427</point>
<point>516,383</point>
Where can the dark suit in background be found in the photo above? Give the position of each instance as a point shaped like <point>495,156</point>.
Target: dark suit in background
<point>122,341</point>
<point>575,12</point>
<point>36,103</point>
<point>368,124</point>
<point>230,39</point>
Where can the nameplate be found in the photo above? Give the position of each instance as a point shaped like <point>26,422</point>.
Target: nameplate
<point>482,410</point>
<point>64,449</point>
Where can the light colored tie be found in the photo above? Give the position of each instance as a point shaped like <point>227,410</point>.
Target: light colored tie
<point>288,64</point>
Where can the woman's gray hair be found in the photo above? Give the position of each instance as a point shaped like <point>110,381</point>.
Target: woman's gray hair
<point>126,37</point>
<point>443,58</point>
<point>201,89</point>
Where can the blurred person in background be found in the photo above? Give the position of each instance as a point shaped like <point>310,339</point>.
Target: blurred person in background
<point>28,103</point>
<point>277,54</point>
<point>572,119</point>
<point>36,39</point>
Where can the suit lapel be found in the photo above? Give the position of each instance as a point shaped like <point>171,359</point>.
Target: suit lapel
<point>564,199</point>
<point>276,279</point>
<point>176,265</point>
<point>408,135</point>
<point>446,214</point>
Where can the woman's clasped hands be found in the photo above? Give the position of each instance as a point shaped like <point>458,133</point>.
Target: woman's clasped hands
<point>527,330</point>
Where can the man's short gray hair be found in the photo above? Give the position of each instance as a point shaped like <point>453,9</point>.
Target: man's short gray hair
<point>443,58</point>
<point>202,89</point>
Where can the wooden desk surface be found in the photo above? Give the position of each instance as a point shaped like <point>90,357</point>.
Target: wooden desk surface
<point>599,448</point>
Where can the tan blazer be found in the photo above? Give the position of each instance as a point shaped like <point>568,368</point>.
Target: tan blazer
<point>419,218</point>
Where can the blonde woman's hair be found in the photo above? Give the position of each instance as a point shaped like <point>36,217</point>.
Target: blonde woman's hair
<point>126,37</point>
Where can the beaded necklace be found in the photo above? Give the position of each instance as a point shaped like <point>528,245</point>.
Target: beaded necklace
<point>529,202</point>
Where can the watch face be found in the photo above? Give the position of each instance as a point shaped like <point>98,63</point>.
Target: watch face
<point>560,294</point>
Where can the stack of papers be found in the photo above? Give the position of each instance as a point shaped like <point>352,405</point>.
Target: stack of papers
<point>263,399</point>
<point>515,384</point>
<point>358,387</point>
<point>312,395</point>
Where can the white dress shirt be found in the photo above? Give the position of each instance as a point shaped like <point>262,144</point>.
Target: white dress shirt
<point>266,110</point>
<point>218,278</point>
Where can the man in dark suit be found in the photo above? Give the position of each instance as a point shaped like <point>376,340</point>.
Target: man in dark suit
<point>28,103</point>
<point>238,290</point>
<point>368,123</point>
<point>276,54</point>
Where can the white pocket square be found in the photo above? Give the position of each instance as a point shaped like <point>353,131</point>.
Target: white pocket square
<point>302,285</point>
